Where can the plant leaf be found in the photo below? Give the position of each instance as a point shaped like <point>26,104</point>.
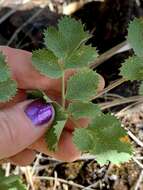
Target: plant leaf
<point>81,109</point>
<point>46,63</point>
<point>53,134</point>
<point>82,57</point>
<point>83,85</point>
<point>8,90</point>
<point>83,139</point>
<point>107,140</point>
<point>11,182</point>
<point>4,69</point>
<point>135,36</point>
<point>132,68</point>
<point>73,32</point>
<point>67,39</point>
<point>55,42</point>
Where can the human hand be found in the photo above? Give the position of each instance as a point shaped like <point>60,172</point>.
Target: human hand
<point>21,135</point>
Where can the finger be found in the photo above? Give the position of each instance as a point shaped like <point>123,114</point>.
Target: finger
<point>23,158</point>
<point>22,125</point>
<point>25,74</point>
<point>66,151</point>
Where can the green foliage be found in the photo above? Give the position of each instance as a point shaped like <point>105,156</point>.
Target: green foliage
<point>135,36</point>
<point>83,85</point>
<point>66,48</point>
<point>12,182</point>
<point>132,68</point>
<point>82,110</point>
<point>53,134</point>
<point>4,69</point>
<point>8,87</point>
<point>81,57</point>
<point>8,90</point>
<point>46,63</point>
<point>104,139</point>
<point>68,38</point>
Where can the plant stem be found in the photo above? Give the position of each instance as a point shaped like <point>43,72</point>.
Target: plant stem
<point>63,90</point>
<point>110,87</point>
<point>108,54</point>
<point>120,102</point>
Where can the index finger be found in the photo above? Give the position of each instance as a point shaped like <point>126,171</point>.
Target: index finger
<point>25,74</point>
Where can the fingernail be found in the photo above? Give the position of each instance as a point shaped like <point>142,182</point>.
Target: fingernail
<point>39,112</point>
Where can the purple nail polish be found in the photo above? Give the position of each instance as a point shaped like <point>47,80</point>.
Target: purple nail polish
<point>39,112</point>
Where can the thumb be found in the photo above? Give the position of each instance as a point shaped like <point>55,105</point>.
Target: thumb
<point>22,125</point>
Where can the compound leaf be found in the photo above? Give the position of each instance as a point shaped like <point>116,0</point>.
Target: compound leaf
<point>4,69</point>
<point>82,57</point>
<point>135,36</point>
<point>83,85</point>
<point>132,68</point>
<point>107,140</point>
<point>81,109</point>
<point>46,63</point>
<point>8,90</point>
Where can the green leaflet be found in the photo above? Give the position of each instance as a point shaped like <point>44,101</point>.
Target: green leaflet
<point>8,89</point>
<point>82,57</point>
<point>54,41</point>
<point>135,36</point>
<point>83,139</point>
<point>4,69</point>
<point>132,68</point>
<point>81,109</point>
<point>83,85</point>
<point>73,32</point>
<point>113,156</point>
<point>60,114</point>
<point>69,36</point>
<point>53,134</point>
<point>141,89</point>
<point>46,63</point>
<point>12,182</point>
<point>106,139</point>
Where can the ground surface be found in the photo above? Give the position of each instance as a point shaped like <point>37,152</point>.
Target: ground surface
<point>21,27</point>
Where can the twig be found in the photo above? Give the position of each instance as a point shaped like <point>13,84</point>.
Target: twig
<point>139,181</point>
<point>8,14</point>
<point>23,25</point>
<point>140,143</point>
<point>7,171</point>
<point>110,87</point>
<point>60,180</point>
<point>138,163</point>
<point>114,103</point>
<point>108,54</point>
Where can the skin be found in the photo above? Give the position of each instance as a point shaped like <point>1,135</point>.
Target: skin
<point>19,139</point>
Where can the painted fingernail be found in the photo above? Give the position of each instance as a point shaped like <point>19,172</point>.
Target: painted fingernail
<point>39,112</point>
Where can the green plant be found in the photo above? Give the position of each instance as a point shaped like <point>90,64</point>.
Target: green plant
<point>12,182</point>
<point>66,48</point>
